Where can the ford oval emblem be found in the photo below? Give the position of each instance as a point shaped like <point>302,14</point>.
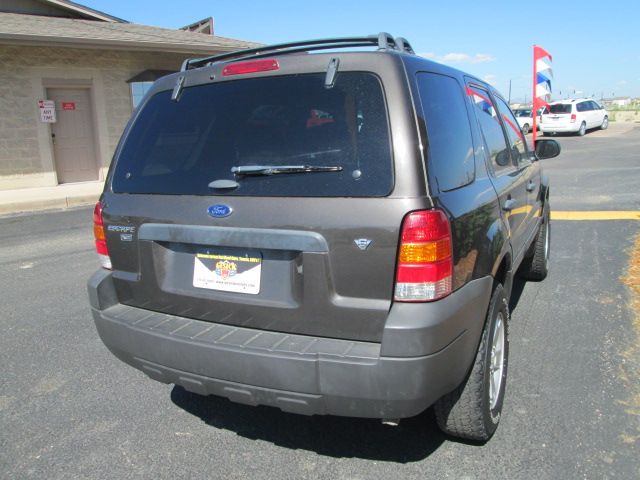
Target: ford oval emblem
<point>220,211</point>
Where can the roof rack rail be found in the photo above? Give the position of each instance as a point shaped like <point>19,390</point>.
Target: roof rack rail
<point>404,45</point>
<point>383,40</point>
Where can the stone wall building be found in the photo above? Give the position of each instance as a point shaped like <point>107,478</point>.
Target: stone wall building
<point>94,68</point>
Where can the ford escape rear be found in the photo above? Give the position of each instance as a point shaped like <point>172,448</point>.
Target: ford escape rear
<point>330,233</point>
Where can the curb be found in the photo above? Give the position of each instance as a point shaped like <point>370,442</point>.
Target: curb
<point>47,204</point>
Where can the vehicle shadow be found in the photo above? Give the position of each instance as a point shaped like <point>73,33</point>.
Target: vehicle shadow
<point>516,292</point>
<point>413,440</point>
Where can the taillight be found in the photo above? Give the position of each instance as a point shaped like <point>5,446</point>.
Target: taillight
<point>252,66</point>
<point>425,263</point>
<point>573,117</point>
<point>101,239</point>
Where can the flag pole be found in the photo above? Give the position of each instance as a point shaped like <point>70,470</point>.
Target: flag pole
<point>534,112</point>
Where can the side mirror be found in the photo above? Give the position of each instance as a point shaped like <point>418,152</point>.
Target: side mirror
<point>547,148</point>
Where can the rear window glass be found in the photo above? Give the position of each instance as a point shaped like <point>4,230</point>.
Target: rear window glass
<point>451,159</point>
<point>180,147</point>
<point>560,108</point>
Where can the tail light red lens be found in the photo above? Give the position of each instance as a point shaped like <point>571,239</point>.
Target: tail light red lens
<point>425,262</point>
<point>100,237</point>
<point>252,66</point>
<point>573,117</point>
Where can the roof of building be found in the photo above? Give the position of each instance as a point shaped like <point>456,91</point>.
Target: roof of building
<point>84,11</point>
<point>57,8</point>
<point>68,32</point>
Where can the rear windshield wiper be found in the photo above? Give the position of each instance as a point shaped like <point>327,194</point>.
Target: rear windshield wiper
<point>276,169</point>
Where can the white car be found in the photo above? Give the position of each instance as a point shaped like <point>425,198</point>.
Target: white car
<point>574,116</point>
<point>523,115</point>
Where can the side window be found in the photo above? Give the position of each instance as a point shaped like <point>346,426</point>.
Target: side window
<point>582,107</point>
<point>594,105</point>
<point>519,152</point>
<point>450,148</point>
<point>487,116</point>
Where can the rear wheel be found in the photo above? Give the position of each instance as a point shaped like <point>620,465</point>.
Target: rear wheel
<point>583,129</point>
<point>605,123</point>
<point>473,409</point>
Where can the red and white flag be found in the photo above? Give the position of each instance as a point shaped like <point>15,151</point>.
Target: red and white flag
<point>542,75</point>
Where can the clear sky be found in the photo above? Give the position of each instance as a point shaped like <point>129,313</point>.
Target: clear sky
<point>595,44</point>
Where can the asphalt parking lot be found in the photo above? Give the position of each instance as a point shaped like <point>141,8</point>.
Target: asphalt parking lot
<point>69,409</point>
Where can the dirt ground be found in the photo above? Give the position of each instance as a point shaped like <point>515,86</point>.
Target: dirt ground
<point>630,366</point>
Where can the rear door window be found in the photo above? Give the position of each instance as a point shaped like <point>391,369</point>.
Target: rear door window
<point>450,148</point>
<point>180,147</point>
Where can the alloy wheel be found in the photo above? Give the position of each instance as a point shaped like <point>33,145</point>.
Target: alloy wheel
<point>496,366</point>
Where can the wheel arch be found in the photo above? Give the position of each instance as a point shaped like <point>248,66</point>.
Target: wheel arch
<point>502,272</point>
<point>544,191</point>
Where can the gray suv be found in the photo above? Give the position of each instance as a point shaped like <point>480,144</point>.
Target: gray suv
<point>328,233</point>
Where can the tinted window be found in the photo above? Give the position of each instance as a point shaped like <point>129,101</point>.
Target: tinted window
<point>594,105</point>
<point>450,148</point>
<point>560,108</point>
<point>491,129</point>
<point>180,147</point>
<point>582,106</point>
<point>519,153</point>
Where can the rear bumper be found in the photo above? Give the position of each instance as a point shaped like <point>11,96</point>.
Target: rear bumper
<point>426,351</point>
<point>564,128</point>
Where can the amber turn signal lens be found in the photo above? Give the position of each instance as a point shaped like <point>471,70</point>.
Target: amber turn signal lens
<point>425,252</point>
<point>98,232</point>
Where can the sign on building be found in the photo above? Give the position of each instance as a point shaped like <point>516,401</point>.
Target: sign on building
<point>47,111</point>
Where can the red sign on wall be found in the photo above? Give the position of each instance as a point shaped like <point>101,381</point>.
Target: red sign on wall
<point>68,105</point>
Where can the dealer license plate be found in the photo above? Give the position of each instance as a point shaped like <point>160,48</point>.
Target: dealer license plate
<point>227,273</point>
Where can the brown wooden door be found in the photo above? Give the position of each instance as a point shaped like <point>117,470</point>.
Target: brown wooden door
<point>73,135</point>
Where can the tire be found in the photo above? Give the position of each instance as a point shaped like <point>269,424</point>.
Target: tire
<point>536,267</point>
<point>582,130</point>
<point>525,128</point>
<point>605,123</point>
<point>472,411</point>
